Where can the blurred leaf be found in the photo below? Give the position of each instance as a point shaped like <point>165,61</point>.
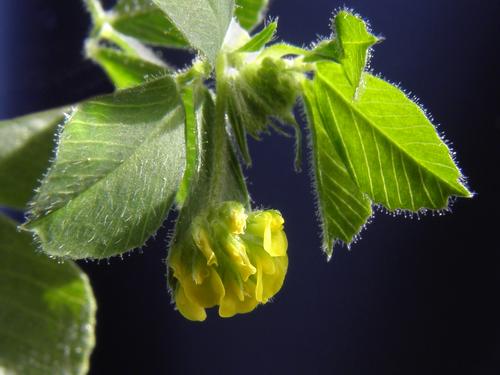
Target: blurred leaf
<point>203,22</point>
<point>386,142</point>
<point>143,20</point>
<point>26,145</point>
<point>119,164</point>
<point>343,208</point>
<point>47,313</point>
<point>250,12</point>
<point>125,70</point>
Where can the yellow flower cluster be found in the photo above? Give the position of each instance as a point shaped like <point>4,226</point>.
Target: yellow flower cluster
<point>228,259</point>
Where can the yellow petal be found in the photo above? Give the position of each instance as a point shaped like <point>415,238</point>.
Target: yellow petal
<point>279,244</point>
<point>238,254</point>
<point>231,305</point>
<point>273,282</point>
<point>187,308</point>
<point>258,285</point>
<point>206,294</point>
<point>238,220</point>
<point>202,241</point>
<point>268,239</point>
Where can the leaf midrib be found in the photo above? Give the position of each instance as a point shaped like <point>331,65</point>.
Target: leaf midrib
<point>387,137</point>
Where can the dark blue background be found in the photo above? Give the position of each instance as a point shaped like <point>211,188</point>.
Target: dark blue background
<point>413,297</point>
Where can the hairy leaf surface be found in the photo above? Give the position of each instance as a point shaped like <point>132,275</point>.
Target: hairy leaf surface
<point>343,208</point>
<point>26,145</point>
<point>354,42</point>
<point>386,142</point>
<point>203,22</point>
<point>119,164</point>
<point>47,313</point>
<point>143,20</point>
<point>250,12</point>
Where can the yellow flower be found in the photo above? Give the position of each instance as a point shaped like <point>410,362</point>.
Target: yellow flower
<point>229,259</point>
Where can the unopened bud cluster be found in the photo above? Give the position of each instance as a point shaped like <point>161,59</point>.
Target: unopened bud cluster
<point>230,259</point>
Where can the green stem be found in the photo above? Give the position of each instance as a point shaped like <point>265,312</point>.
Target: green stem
<point>218,133</point>
<point>96,11</point>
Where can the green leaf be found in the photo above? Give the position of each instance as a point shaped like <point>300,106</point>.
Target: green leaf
<point>26,145</point>
<point>386,142</point>
<point>343,208</point>
<point>203,22</point>
<point>143,20</point>
<point>123,69</point>
<point>250,12</point>
<point>119,163</point>
<point>47,313</point>
<point>324,50</point>
<point>354,42</point>
<point>259,40</point>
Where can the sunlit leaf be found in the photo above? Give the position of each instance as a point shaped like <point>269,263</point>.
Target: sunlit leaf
<point>386,142</point>
<point>353,41</point>
<point>350,46</point>
<point>343,208</point>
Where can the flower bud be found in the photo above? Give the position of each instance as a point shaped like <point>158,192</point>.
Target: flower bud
<point>259,91</point>
<point>230,259</point>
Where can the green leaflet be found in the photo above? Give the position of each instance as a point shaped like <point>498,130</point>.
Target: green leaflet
<point>386,142</point>
<point>354,42</point>
<point>143,20</point>
<point>324,50</point>
<point>203,22</point>
<point>350,47</point>
<point>343,208</point>
<point>26,145</point>
<point>119,163</point>
<point>250,12</point>
<point>47,313</point>
<point>123,69</point>
<point>260,39</point>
